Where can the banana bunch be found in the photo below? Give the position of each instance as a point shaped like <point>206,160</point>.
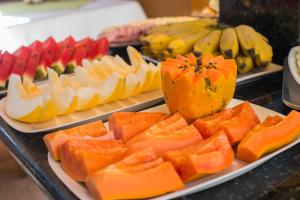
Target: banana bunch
<point>158,39</point>
<point>204,36</point>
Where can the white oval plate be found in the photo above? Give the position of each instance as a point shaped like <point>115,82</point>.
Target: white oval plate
<point>236,169</point>
<point>294,68</point>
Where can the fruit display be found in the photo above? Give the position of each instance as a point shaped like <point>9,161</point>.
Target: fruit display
<point>168,153</point>
<point>95,83</point>
<point>208,84</point>
<point>32,62</point>
<point>205,36</point>
<point>131,32</point>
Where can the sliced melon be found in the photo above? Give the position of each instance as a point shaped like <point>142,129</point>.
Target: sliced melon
<point>107,85</point>
<point>87,96</point>
<point>135,57</point>
<point>64,98</point>
<point>28,103</point>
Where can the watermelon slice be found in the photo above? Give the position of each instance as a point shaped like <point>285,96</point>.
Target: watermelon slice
<point>48,55</point>
<point>92,50</point>
<point>102,47</point>
<point>22,54</point>
<point>34,60</point>
<point>80,52</point>
<point>7,61</point>
<point>64,54</point>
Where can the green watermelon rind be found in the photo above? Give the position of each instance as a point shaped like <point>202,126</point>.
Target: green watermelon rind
<point>3,84</point>
<point>58,67</point>
<point>41,72</point>
<point>70,67</point>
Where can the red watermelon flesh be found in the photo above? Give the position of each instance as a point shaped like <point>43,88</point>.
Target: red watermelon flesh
<point>64,55</point>
<point>79,54</point>
<point>6,64</point>
<point>22,55</point>
<point>90,46</point>
<point>102,47</point>
<point>34,59</point>
<point>93,49</point>
<point>48,55</point>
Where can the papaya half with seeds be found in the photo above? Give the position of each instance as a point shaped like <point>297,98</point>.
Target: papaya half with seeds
<point>197,88</point>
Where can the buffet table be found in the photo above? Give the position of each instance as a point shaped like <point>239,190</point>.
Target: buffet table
<point>261,183</point>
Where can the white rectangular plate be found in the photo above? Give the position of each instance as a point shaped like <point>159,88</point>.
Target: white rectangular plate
<point>236,169</point>
<point>135,103</point>
<point>241,78</point>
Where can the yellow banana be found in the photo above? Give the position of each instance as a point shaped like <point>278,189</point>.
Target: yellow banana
<point>229,45</point>
<point>147,51</point>
<point>207,44</point>
<point>264,53</point>
<point>262,36</point>
<point>185,44</point>
<point>247,39</point>
<point>175,27</point>
<point>164,55</point>
<point>160,41</point>
<point>244,63</point>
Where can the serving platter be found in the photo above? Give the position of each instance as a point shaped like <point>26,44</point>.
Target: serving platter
<point>236,169</point>
<point>136,103</point>
<point>254,74</point>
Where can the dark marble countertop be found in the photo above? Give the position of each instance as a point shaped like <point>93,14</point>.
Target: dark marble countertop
<point>278,178</point>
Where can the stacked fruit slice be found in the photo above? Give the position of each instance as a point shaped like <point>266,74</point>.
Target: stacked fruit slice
<point>97,82</point>
<point>205,36</point>
<point>33,62</point>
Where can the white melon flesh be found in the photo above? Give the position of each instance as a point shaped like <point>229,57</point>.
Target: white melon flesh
<point>135,57</point>
<point>26,102</point>
<point>87,96</point>
<point>64,97</point>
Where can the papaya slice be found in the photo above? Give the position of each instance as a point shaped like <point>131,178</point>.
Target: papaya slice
<point>79,158</point>
<point>126,125</point>
<point>54,140</point>
<point>208,126</point>
<point>140,175</point>
<point>207,157</point>
<point>236,122</point>
<point>244,119</point>
<point>269,136</point>
<point>167,141</point>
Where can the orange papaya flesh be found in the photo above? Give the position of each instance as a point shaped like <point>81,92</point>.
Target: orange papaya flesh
<point>170,124</point>
<point>267,138</point>
<point>181,58</point>
<point>241,123</point>
<point>207,157</point>
<point>140,175</point>
<point>208,126</point>
<point>54,140</point>
<point>207,87</point>
<point>126,125</point>
<point>191,57</point>
<point>167,141</point>
<point>79,158</point>
<point>206,58</point>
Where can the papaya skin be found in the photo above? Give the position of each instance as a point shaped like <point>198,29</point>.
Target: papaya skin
<point>269,136</point>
